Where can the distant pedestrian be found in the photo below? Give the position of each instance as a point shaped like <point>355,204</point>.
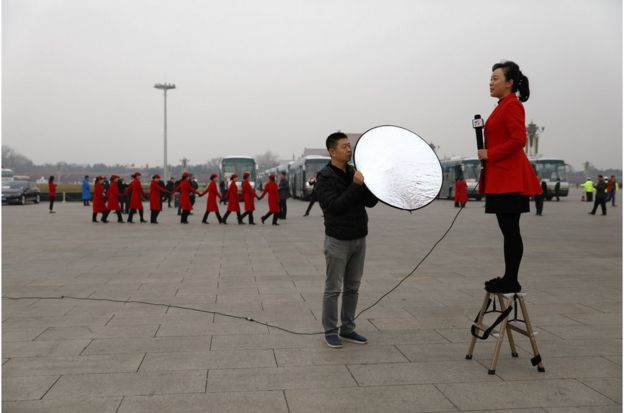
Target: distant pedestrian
<point>136,197</point>
<point>211,203</point>
<point>223,189</point>
<point>185,188</point>
<point>124,197</point>
<point>272,190</point>
<point>99,201</point>
<point>461,193</point>
<point>249,196</point>
<point>312,183</point>
<point>557,189</point>
<point>156,191</point>
<point>539,198</point>
<point>113,195</point>
<point>284,194</point>
<point>611,190</point>
<point>195,185</point>
<point>51,193</point>
<point>589,190</point>
<point>601,196</point>
<point>233,202</point>
<point>170,186</point>
<point>86,191</point>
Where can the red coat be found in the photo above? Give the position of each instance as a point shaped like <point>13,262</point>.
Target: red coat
<point>155,190</point>
<point>273,191</point>
<point>249,195</point>
<point>232,194</point>
<point>213,194</point>
<point>99,201</point>
<point>136,199</point>
<point>461,191</point>
<point>507,168</point>
<point>185,188</point>
<point>51,189</point>
<point>113,195</point>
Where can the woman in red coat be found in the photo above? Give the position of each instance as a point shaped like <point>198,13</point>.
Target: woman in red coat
<point>213,195</point>
<point>113,195</point>
<point>232,196</point>
<point>272,189</point>
<point>99,201</point>
<point>461,192</point>
<point>508,180</point>
<point>51,193</point>
<point>155,198</point>
<point>249,195</point>
<point>136,198</point>
<point>185,188</point>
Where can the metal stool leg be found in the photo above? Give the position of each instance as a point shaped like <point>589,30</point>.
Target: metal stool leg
<point>479,321</point>
<point>537,358</point>
<point>500,336</point>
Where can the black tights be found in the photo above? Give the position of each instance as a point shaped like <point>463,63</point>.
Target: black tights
<point>513,248</point>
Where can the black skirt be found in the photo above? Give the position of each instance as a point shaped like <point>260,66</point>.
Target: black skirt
<point>510,203</point>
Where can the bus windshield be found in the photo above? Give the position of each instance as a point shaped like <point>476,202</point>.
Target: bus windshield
<point>239,166</point>
<point>551,169</point>
<point>313,166</point>
<point>472,169</point>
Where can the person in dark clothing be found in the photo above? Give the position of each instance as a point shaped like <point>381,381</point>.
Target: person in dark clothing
<point>284,193</point>
<point>170,187</point>
<point>312,182</point>
<point>195,186</point>
<point>601,196</point>
<point>557,189</point>
<point>341,192</point>
<point>124,199</point>
<point>223,189</point>
<point>611,189</point>
<point>539,199</point>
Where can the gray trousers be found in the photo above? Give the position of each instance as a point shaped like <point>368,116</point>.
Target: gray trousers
<point>345,266</point>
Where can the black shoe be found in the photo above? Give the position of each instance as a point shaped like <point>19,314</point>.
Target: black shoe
<point>305,215</point>
<point>591,213</point>
<point>143,221</point>
<point>252,223</point>
<point>504,287</point>
<point>262,219</point>
<point>493,280</point>
<point>275,223</point>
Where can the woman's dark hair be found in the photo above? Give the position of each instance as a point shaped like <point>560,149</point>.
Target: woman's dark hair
<point>520,82</point>
<point>50,179</point>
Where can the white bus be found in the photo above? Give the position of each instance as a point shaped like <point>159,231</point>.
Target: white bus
<point>549,170</point>
<point>238,165</point>
<point>302,175</point>
<point>7,174</point>
<point>468,168</point>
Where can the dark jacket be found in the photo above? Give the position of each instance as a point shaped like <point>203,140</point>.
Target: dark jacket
<point>284,189</point>
<point>343,203</point>
<point>601,187</point>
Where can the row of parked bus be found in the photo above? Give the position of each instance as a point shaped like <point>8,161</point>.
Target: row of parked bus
<point>550,170</point>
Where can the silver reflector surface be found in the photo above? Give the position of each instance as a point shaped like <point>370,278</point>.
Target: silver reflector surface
<point>399,167</point>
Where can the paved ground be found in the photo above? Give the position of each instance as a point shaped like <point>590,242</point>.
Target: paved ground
<point>87,356</point>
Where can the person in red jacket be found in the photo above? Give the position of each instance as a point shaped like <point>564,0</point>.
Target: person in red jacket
<point>185,188</point>
<point>113,194</point>
<point>233,205</point>
<point>99,201</point>
<point>52,193</point>
<point>156,189</point>
<point>461,192</point>
<point>272,189</point>
<point>136,198</point>
<point>212,204</point>
<point>249,195</point>
<point>507,180</point>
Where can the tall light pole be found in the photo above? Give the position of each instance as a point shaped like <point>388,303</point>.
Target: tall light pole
<point>165,87</point>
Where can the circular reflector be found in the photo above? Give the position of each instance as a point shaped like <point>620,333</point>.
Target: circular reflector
<point>399,167</point>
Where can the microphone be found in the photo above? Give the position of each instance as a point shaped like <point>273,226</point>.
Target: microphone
<point>477,124</point>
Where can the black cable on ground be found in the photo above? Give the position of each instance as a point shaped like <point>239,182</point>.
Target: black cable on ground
<point>250,319</point>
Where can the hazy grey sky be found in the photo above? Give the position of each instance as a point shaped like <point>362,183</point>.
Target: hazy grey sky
<point>251,76</point>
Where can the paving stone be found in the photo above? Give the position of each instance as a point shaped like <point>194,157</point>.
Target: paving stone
<point>43,348</point>
<point>137,345</point>
<point>309,377</point>
<point>522,394</point>
<point>609,386</point>
<point>258,402</point>
<point>362,354</point>
<point>94,405</point>
<point>128,384</point>
<point>557,368</point>
<point>53,366</point>
<point>419,373</point>
<point>208,360</point>
<point>26,388</point>
<point>420,398</point>
<point>112,331</point>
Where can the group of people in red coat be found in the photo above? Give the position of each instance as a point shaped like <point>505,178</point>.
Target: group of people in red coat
<point>106,201</point>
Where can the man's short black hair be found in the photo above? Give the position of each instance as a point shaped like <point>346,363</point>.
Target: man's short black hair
<point>333,139</point>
